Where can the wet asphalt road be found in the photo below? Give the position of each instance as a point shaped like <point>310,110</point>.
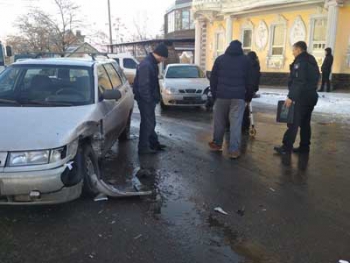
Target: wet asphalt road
<point>281,210</point>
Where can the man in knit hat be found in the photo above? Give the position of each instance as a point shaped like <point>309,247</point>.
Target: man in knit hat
<point>147,95</point>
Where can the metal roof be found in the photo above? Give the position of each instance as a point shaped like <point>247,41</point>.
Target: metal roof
<point>83,62</point>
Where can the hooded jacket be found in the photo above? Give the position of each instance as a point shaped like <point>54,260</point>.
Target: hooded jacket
<point>146,83</point>
<point>231,75</point>
<point>303,80</point>
<point>256,74</point>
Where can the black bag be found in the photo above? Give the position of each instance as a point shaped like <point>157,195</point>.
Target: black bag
<point>284,114</point>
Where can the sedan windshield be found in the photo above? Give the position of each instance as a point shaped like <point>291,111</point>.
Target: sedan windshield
<point>46,86</point>
<point>184,72</point>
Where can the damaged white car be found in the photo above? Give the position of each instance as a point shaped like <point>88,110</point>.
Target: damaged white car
<point>58,117</point>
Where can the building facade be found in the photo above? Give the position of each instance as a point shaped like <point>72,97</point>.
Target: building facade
<point>270,28</point>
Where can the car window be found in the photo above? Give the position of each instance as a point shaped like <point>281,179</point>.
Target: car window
<point>8,79</point>
<point>104,82</point>
<point>47,85</point>
<point>184,72</point>
<point>117,60</point>
<point>120,73</point>
<point>129,63</point>
<point>113,75</point>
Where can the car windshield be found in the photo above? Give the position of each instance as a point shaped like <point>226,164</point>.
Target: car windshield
<point>42,85</point>
<point>184,72</point>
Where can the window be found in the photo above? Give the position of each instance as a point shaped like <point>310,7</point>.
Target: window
<point>278,40</point>
<point>219,44</point>
<point>129,63</point>
<point>247,40</point>
<point>117,60</point>
<point>8,79</point>
<point>185,19</point>
<point>171,22</point>
<point>184,72</point>
<point>120,73</point>
<point>2,62</point>
<point>319,34</point>
<point>113,75</point>
<point>192,25</point>
<point>177,20</point>
<point>103,80</point>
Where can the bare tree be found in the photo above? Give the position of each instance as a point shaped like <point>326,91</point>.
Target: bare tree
<point>47,32</point>
<point>19,44</point>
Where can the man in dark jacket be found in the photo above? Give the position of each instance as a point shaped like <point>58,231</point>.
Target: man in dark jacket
<point>303,82</point>
<point>326,70</point>
<point>146,90</point>
<point>231,86</point>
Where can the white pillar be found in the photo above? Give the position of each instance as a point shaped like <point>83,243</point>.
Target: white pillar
<point>229,22</point>
<point>332,23</point>
<point>198,39</point>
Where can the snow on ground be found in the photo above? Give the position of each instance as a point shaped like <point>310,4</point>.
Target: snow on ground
<point>336,104</point>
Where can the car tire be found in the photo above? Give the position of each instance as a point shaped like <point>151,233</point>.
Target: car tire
<point>90,166</point>
<point>125,135</point>
<point>163,106</point>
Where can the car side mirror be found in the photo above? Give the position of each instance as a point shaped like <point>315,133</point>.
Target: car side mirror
<point>111,95</point>
<point>9,51</point>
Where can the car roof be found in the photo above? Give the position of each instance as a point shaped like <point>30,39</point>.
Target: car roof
<point>80,62</point>
<point>120,55</point>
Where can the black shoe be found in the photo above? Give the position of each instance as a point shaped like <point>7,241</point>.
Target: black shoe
<point>159,147</point>
<point>301,150</point>
<point>147,151</point>
<point>282,150</point>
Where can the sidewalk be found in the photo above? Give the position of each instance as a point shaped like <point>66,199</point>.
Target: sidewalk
<point>328,103</point>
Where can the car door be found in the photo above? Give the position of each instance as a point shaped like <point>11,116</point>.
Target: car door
<point>112,122</point>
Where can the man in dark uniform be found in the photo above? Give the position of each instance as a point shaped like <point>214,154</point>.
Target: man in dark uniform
<point>147,95</point>
<point>326,70</point>
<point>304,76</point>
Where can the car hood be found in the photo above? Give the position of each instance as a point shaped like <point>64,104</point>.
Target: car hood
<point>39,128</point>
<point>200,83</point>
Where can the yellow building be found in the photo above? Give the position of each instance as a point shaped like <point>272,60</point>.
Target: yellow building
<point>271,27</point>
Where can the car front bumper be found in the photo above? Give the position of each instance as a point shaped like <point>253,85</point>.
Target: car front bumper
<point>36,187</point>
<point>184,99</point>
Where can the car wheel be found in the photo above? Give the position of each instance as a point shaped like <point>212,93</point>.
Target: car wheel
<point>90,167</point>
<point>125,135</point>
<point>163,106</point>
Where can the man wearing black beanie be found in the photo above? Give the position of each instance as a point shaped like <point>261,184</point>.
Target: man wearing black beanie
<point>146,90</point>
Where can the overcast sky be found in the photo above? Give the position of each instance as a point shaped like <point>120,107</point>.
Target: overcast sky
<point>93,12</point>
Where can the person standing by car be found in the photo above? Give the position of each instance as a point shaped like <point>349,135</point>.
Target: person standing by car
<point>231,86</point>
<point>304,76</point>
<point>256,82</point>
<point>146,90</point>
<point>326,70</point>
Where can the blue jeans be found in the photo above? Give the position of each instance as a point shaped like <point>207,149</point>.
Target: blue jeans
<point>231,112</point>
<point>148,137</point>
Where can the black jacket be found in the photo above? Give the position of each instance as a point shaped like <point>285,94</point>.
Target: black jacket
<point>146,83</point>
<point>303,81</point>
<point>327,64</point>
<point>231,75</point>
<point>256,74</point>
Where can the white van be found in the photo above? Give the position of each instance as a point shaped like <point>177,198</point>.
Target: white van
<point>128,63</point>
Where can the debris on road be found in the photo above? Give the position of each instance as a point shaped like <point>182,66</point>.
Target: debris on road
<point>101,197</point>
<point>273,190</point>
<point>241,211</point>
<point>138,237</point>
<point>220,210</point>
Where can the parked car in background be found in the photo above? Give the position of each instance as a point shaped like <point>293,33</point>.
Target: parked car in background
<point>128,63</point>
<point>59,116</point>
<point>183,85</point>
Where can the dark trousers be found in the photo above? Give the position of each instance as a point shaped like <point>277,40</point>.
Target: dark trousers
<point>246,119</point>
<point>302,119</point>
<point>326,81</point>
<point>148,137</point>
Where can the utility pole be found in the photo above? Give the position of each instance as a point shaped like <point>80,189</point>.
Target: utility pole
<point>110,26</point>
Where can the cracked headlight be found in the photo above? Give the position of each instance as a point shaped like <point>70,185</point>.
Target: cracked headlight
<point>28,158</point>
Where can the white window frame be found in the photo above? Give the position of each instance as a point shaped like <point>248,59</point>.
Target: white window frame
<point>247,27</point>
<point>319,54</point>
<point>217,34</point>
<point>171,22</point>
<point>272,59</point>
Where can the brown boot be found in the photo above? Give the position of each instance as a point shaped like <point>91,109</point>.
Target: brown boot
<point>235,155</point>
<point>214,147</point>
